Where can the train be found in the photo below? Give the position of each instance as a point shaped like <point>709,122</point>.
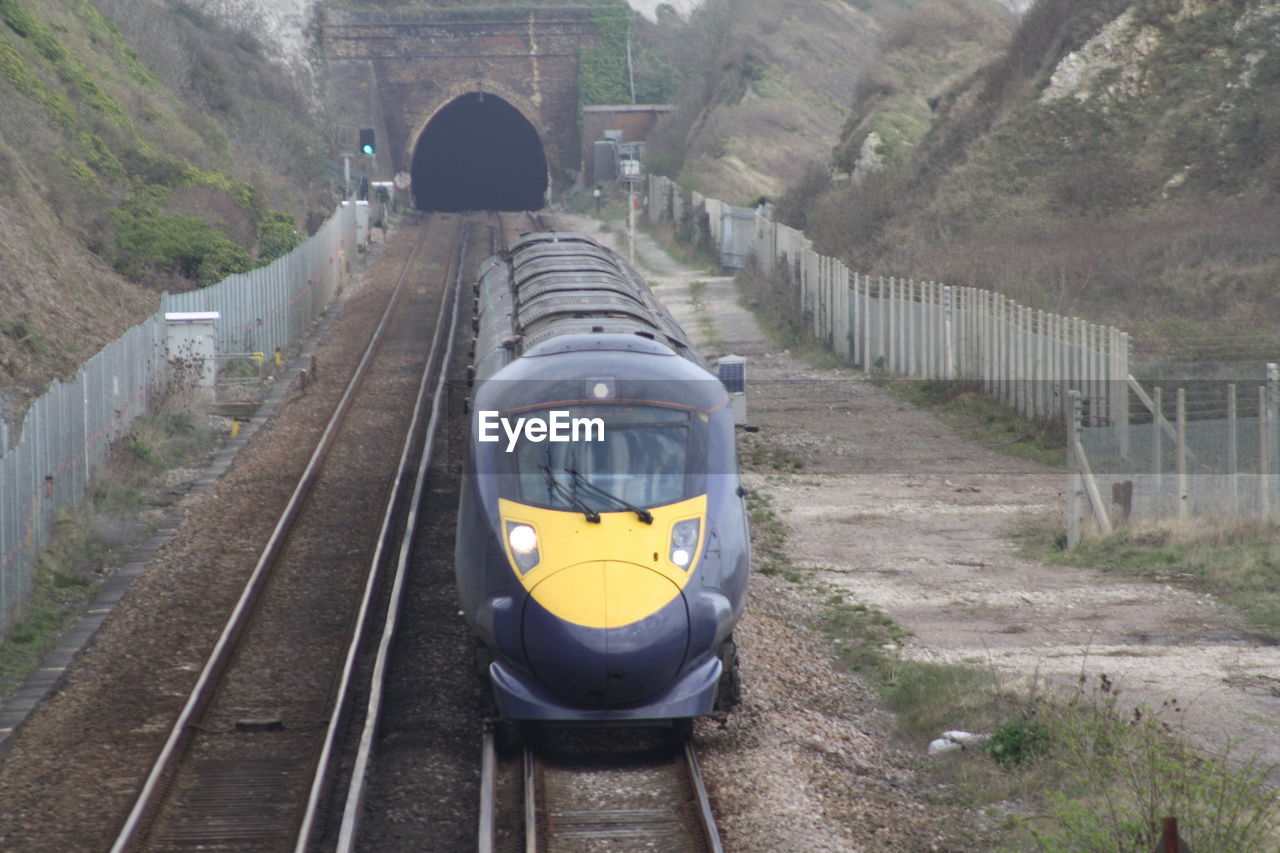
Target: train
<point>603,549</point>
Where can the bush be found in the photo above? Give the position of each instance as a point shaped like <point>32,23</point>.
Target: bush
<point>1018,741</point>
<point>148,242</point>
<point>277,236</point>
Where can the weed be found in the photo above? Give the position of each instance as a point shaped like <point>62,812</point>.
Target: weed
<point>986,421</point>
<point>1120,769</point>
<point>21,332</point>
<point>178,424</point>
<point>1238,562</point>
<point>88,543</point>
<point>768,536</point>
<point>1018,740</point>
<point>140,450</point>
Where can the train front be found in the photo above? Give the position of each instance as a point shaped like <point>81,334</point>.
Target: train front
<point>603,548</point>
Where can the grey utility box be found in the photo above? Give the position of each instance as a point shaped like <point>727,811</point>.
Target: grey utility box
<point>732,371</point>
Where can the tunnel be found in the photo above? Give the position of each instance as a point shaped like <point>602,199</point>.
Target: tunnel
<point>479,153</point>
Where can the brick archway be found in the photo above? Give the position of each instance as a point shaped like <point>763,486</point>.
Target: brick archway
<point>395,71</point>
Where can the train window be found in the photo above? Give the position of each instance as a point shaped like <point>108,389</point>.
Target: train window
<point>640,458</point>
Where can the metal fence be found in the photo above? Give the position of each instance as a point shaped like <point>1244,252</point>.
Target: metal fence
<point>1027,358</point>
<point>66,433</point>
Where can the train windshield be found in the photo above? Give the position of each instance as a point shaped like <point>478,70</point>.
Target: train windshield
<point>601,458</point>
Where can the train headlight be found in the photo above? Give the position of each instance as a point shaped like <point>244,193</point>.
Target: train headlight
<point>684,539</point>
<point>523,540</point>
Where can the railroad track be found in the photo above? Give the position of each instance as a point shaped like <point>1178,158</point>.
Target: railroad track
<point>656,798</point>
<point>487,234</point>
<point>566,790</point>
<point>249,760</point>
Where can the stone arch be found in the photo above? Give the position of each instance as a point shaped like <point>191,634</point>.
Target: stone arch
<point>480,147</point>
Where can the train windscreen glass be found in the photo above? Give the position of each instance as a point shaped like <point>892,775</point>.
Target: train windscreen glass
<point>614,457</point>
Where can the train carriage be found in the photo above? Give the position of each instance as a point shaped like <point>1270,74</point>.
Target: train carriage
<point>602,547</point>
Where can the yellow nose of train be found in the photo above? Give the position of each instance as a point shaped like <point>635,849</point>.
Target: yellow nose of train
<point>605,574</point>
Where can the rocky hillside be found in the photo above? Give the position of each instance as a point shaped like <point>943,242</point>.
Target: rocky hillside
<point>770,84</point>
<point>144,146</point>
<point>1120,161</point>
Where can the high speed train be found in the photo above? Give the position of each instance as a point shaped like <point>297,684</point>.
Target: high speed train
<point>602,546</point>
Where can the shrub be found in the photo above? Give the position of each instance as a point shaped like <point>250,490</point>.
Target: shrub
<point>1121,769</point>
<point>277,236</point>
<point>149,242</point>
<point>1018,741</point>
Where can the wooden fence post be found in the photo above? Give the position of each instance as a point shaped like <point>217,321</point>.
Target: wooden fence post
<point>1264,457</point>
<point>911,339</point>
<point>1157,448</point>
<point>1120,389</point>
<point>1233,450</point>
<point>882,309</point>
<point>948,333</point>
<point>1082,476</point>
<point>866,325</point>
<point>1075,487</point>
<point>1184,499</point>
<point>928,330</point>
<point>1273,428</point>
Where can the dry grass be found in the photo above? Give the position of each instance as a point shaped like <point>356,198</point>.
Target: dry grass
<point>1236,561</point>
<point>767,94</point>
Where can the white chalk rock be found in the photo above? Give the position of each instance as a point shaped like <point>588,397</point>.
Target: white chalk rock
<point>941,745</point>
<point>967,739</point>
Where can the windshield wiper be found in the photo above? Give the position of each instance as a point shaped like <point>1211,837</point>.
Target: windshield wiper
<point>580,479</point>
<point>569,497</point>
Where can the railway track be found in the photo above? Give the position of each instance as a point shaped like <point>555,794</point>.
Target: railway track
<point>655,795</point>
<point>565,790</point>
<point>488,233</point>
<point>249,759</point>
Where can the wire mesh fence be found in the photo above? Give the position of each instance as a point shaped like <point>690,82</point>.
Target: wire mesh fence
<point>1206,449</point>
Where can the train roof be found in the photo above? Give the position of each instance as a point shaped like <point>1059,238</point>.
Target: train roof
<point>564,287</point>
<point>567,369</point>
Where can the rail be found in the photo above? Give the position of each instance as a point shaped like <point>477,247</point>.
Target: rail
<point>348,833</point>
<point>588,789</point>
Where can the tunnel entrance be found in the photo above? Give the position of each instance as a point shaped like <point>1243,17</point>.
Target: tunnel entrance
<point>479,153</point>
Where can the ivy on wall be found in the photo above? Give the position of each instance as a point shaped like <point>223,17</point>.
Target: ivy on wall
<point>602,70</point>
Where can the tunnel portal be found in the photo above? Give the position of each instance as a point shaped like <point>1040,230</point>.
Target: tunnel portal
<point>479,153</point>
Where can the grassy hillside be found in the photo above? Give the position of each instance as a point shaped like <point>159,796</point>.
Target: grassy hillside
<point>768,86</point>
<point>923,50</point>
<point>143,147</point>
<point>1120,161</point>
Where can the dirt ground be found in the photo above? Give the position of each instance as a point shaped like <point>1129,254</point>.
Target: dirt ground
<point>896,511</point>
